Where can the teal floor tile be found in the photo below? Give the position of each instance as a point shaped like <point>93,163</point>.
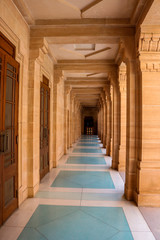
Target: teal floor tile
<point>77,223</point>
<point>86,160</point>
<point>89,140</point>
<point>88,145</point>
<point>85,167</point>
<point>32,234</point>
<point>87,150</point>
<point>84,179</point>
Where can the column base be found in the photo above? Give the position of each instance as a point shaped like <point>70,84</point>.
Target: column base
<point>114,165</point>
<point>147,199</point>
<point>129,194</point>
<point>121,167</point>
<point>108,150</point>
<point>33,190</point>
<point>23,195</point>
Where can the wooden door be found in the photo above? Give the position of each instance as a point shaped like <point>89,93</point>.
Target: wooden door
<point>44,128</point>
<point>9,69</point>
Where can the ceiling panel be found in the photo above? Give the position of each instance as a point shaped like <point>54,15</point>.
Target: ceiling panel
<point>70,9</point>
<point>67,51</point>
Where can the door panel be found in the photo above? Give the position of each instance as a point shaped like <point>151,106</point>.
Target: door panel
<point>9,133</point>
<point>1,134</point>
<point>44,129</point>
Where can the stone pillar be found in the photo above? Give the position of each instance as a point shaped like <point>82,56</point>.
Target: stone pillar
<point>104,119</point>
<point>72,96</point>
<point>108,119</point>
<point>37,53</point>
<point>148,166</point>
<point>99,122</point>
<point>122,150</point>
<point>66,129</point>
<point>116,122</point>
<point>57,78</point>
<point>111,94</point>
<point>131,131</point>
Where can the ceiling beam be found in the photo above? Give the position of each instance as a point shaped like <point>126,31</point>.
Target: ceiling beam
<point>86,79</point>
<point>96,52</point>
<point>90,5</point>
<point>85,68</point>
<point>81,31</point>
<point>25,11</point>
<point>86,61</point>
<point>140,11</point>
<point>87,91</point>
<point>87,84</point>
<point>95,21</point>
<point>82,40</point>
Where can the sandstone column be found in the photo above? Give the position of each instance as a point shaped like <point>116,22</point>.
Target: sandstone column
<point>37,53</point>
<point>66,129</point>
<point>57,78</point>
<point>116,122</point>
<point>148,166</point>
<point>122,150</point>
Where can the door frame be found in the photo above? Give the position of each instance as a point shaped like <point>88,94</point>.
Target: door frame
<point>7,51</point>
<point>45,85</point>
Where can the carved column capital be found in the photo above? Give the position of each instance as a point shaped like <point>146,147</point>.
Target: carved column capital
<point>58,76</point>
<point>67,89</point>
<point>38,49</point>
<point>122,81</point>
<point>149,52</point>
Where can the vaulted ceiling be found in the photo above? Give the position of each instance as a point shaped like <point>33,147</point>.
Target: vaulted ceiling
<point>84,33</point>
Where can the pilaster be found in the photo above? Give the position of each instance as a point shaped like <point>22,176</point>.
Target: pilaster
<point>148,150</point>
<point>67,90</point>
<point>58,77</point>
<point>122,150</point>
<point>116,122</point>
<point>108,120</point>
<point>36,59</point>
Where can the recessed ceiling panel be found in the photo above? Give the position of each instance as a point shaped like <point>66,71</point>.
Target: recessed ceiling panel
<point>84,47</point>
<point>81,51</point>
<point>53,9</point>
<point>111,9</point>
<point>71,9</point>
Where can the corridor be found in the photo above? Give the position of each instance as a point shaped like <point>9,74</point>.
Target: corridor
<point>81,199</point>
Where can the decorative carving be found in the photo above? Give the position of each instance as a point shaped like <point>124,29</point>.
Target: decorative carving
<point>58,76</point>
<point>149,42</point>
<point>150,66</point>
<point>149,52</point>
<point>122,81</point>
<point>38,49</point>
<point>67,89</point>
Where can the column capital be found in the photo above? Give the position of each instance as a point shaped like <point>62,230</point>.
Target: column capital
<point>38,49</point>
<point>67,89</point>
<point>148,50</point>
<point>58,75</point>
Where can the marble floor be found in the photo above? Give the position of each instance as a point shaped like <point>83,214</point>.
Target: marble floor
<point>82,199</point>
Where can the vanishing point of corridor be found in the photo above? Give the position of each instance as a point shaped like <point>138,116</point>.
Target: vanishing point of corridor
<point>81,199</point>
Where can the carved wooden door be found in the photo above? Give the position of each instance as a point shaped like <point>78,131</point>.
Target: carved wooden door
<point>9,69</point>
<point>44,128</point>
